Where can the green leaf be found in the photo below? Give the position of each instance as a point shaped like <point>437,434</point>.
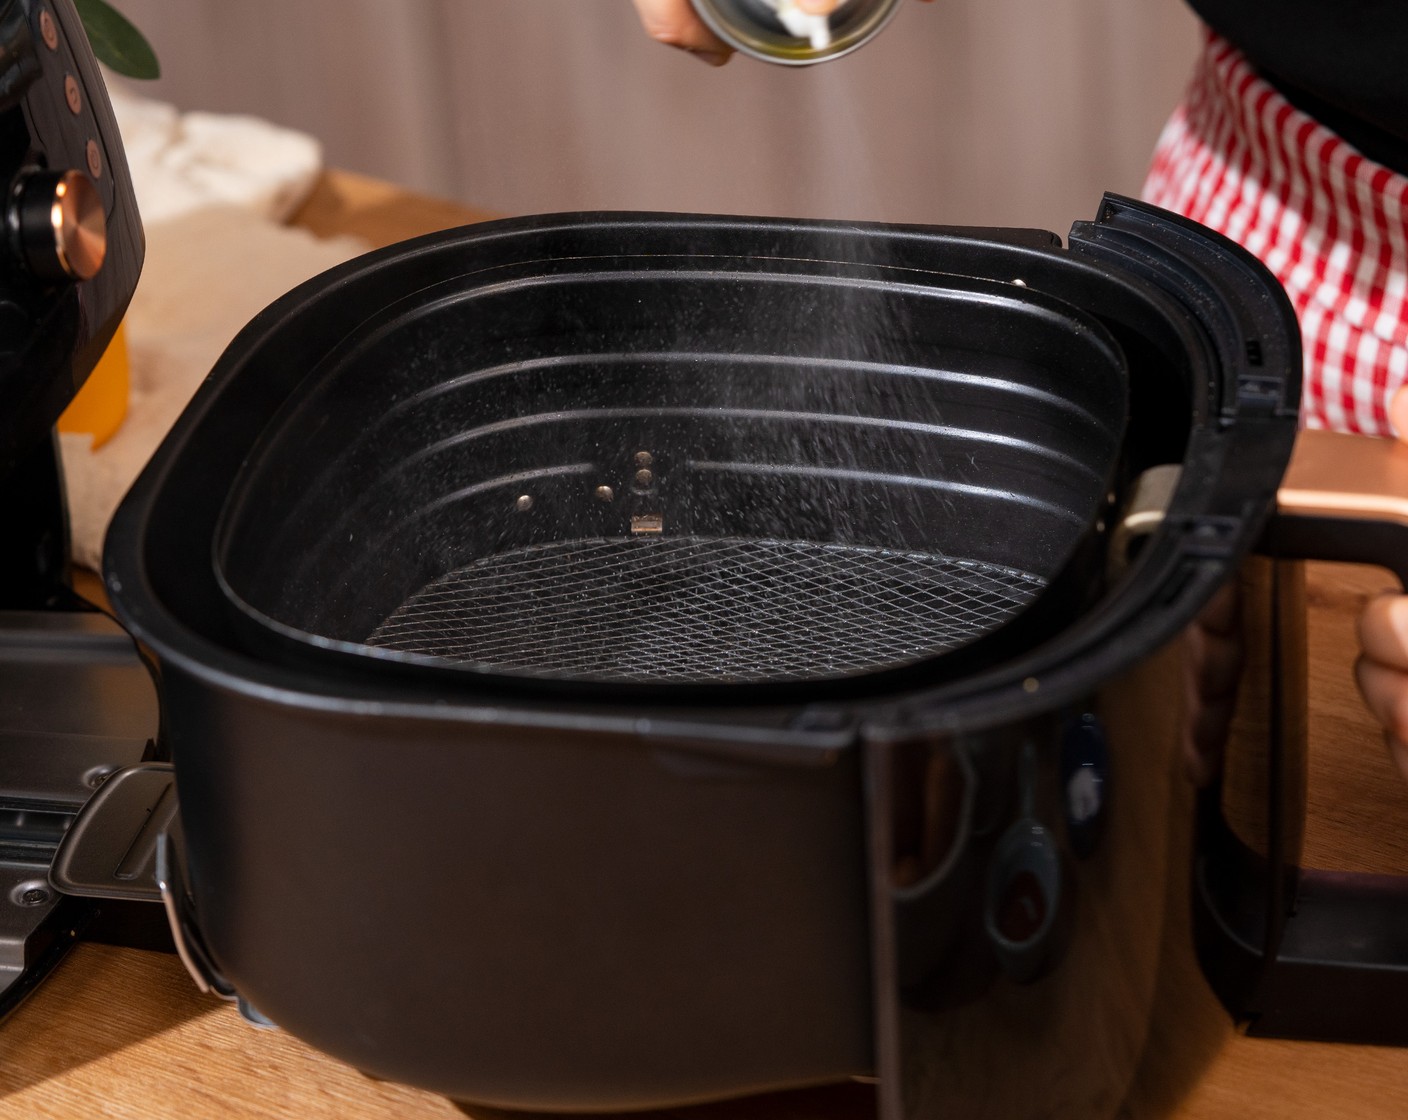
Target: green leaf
<point>116,42</point>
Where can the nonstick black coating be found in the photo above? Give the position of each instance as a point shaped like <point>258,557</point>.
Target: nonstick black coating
<point>602,904</point>
<point>960,431</point>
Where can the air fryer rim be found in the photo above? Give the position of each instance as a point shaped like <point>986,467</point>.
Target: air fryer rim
<point>1240,415</point>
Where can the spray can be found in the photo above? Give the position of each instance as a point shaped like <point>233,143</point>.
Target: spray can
<point>781,31</point>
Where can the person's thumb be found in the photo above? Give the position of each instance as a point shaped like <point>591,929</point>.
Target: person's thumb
<point>1398,412</point>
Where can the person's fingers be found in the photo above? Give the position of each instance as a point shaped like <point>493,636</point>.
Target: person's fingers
<point>1385,691</point>
<point>1383,630</point>
<point>1223,614</point>
<point>674,22</point>
<point>1214,662</point>
<point>1398,749</point>
<point>1205,739</point>
<point>1212,673</point>
<point>1398,412</point>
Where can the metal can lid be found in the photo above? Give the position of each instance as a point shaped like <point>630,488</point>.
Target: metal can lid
<point>781,31</point>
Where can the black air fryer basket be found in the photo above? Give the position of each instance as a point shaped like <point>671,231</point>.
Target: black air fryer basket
<point>680,469</point>
<point>572,628</point>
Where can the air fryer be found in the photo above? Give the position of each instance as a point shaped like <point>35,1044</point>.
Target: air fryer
<point>612,661</point>
<point>584,859</point>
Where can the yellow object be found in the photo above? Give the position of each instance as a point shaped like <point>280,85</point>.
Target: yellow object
<point>101,404</point>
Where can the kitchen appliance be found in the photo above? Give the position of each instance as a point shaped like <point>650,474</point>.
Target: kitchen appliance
<point>75,701</point>
<point>598,856</point>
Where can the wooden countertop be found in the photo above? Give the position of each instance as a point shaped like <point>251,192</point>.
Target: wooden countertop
<point>122,1033</point>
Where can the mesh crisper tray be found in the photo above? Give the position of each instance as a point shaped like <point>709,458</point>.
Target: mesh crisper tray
<point>701,610</point>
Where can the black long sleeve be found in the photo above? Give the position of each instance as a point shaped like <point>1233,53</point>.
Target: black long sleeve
<point>1344,62</point>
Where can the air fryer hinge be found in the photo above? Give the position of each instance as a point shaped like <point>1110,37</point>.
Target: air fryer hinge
<point>111,849</point>
<point>1257,394</point>
<point>1210,537</point>
<point>1241,307</point>
<point>125,845</point>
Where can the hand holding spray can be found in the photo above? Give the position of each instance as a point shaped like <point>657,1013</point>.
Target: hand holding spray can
<point>792,32</point>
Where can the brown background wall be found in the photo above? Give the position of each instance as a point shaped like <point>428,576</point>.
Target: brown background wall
<point>1012,112</point>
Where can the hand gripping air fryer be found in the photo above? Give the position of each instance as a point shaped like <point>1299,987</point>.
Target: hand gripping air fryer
<point>601,856</point>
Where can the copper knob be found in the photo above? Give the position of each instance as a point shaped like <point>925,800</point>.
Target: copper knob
<point>48,30</point>
<point>59,220</point>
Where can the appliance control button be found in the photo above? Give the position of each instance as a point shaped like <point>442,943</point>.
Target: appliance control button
<point>1085,780</point>
<point>94,155</point>
<point>61,227</point>
<point>73,96</point>
<point>48,30</point>
<point>1024,898</point>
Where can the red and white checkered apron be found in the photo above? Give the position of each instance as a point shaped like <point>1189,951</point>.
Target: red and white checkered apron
<point>1331,224</point>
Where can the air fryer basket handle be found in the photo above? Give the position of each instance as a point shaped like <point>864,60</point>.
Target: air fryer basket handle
<point>1322,955</point>
<point>1344,498</point>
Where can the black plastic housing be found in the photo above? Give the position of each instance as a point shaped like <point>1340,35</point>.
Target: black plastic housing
<point>598,901</point>
<point>75,700</point>
<point>53,332</point>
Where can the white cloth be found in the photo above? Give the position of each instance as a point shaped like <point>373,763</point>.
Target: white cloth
<point>182,162</point>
